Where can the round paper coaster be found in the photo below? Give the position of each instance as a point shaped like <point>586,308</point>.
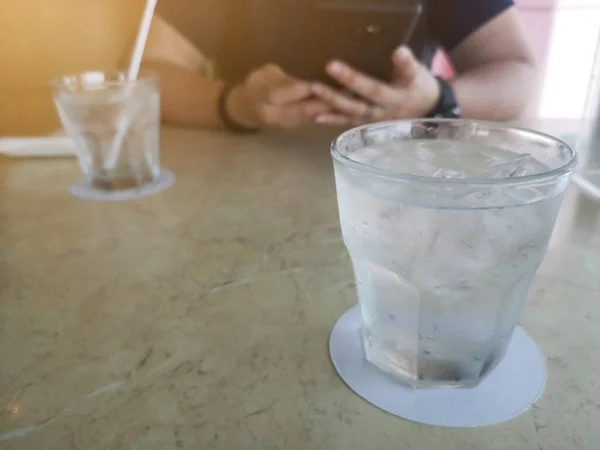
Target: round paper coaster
<point>164,181</point>
<point>514,385</point>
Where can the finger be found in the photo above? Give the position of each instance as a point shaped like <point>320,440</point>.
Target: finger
<point>405,65</point>
<point>373,114</point>
<point>309,110</point>
<point>368,88</point>
<point>283,88</point>
<point>301,114</point>
<point>339,101</point>
<point>289,91</point>
<point>333,120</point>
<point>271,71</point>
<point>277,87</point>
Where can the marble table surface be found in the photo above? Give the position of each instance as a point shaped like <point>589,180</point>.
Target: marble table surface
<point>198,318</point>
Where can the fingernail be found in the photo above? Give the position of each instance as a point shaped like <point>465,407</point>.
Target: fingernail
<point>403,52</point>
<point>321,119</point>
<point>336,67</point>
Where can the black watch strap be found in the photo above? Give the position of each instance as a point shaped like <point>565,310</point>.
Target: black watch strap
<point>447,106</point>
<point>229,122</point>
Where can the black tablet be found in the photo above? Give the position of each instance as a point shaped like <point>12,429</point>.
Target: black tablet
<point>362,33</point>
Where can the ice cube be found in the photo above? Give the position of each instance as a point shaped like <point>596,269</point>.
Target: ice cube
<point>450,174</point>
<point>367,155</point>
<point>518,167</point>
<point>424,152</point>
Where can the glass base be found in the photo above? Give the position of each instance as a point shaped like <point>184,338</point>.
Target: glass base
<point>506,392</point>
<point>427,370</point>
<point>130,181</point>
<point>84,191</point>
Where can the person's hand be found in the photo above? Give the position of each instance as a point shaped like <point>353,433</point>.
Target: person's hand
<point>271,98</point>
<point>413,93</point>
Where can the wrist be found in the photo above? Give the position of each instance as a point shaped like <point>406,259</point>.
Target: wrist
<point>434,95</point>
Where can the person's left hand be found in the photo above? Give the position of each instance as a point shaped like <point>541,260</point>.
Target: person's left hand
<point>413,93</point>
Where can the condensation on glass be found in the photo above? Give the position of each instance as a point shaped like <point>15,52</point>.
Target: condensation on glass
<point>115,123</point>
<point>446,222</point>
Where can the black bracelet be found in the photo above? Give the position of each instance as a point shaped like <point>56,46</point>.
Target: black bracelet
<point>230,123</point>
<point>447,107</point>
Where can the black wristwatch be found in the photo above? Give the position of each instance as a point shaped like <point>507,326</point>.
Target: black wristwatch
<point>447,106</point>
<point>229,122</point>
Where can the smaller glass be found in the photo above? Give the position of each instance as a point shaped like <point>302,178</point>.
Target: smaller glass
<point>115,124</point>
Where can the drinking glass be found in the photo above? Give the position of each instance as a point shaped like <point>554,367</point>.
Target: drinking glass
<point>446,222</point>
<point>115,125</point>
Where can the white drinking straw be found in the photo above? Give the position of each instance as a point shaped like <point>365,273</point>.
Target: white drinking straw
<point>132,73</point>
<point>140,41</point>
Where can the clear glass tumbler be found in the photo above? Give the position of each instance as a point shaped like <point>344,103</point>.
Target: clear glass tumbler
<point>115,124</point>
<point>446,222</point>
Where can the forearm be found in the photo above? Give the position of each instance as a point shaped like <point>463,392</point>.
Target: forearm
<point>495,91</point>
<point>187,98</point>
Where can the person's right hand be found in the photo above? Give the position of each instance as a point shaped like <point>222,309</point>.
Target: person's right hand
<point>271,98</point>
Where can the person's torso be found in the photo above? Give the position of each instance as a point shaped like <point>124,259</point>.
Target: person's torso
<point>242,35</point>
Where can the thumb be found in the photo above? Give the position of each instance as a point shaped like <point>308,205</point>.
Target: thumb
<point>273,72</point>
<point>288,91</point>
<point>405,65</point>
<point>284,89</point>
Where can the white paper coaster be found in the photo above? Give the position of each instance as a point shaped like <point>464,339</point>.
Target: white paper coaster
<point>164,181</point>
<point>514,385</point>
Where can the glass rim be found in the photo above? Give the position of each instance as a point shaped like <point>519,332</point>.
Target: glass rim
<point>563,169</point>
<point>144,76</point>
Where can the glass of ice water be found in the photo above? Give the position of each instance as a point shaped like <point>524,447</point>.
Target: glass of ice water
<point>115,124</point>
<point>446,222</point>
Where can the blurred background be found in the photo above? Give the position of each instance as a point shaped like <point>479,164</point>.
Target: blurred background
<point>40,39</point>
